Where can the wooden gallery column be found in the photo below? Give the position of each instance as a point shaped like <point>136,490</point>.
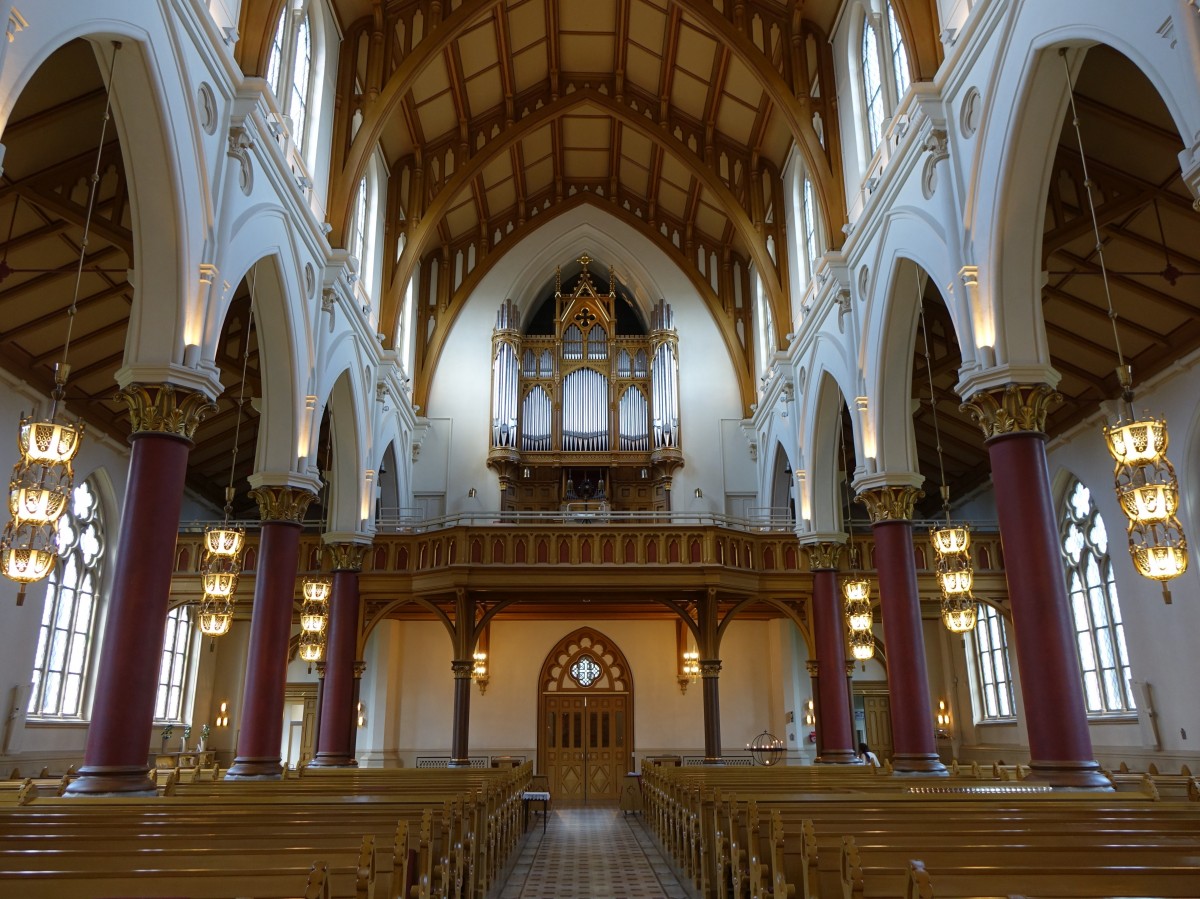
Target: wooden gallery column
<point>462,665</point>
<point>343,671</point>
<point>1013,419</point>
<point>832,694</point>
<point>163,419</point>
<point>914,742</point>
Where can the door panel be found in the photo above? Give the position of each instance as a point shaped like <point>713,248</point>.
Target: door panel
<point>878,725</point>
<point>586,745</point>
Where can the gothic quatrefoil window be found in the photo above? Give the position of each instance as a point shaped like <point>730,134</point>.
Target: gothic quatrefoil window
<point>585,671</point>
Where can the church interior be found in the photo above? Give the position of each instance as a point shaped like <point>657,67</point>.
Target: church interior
<point>426,406</point>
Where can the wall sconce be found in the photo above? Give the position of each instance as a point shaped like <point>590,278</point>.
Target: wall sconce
<point>479,673</point>
<point>943,721</point>
<point>527,472</point>
<point>360,716</point>
<point>699,493</point>
<point>472,493</point>
<point>689,671</point>
<point>810,716</point>
<point>645,474</point>
<point>223,715</point>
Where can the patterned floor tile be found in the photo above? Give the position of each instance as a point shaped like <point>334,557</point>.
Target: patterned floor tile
<point>591,853</point>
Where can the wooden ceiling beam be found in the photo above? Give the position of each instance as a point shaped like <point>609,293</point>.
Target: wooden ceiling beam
<point>1142,127</point>
<point>621,47</point>
<point>79,166</point>
<point>1133,286</point>
<point>39,281</point>
<point>553,47</point>
<point>17,241</point>
<point>666,77</point>
<point>508,77</point>
<point>77,215</point>
<point>1096,312</point>
<point>111,361</point>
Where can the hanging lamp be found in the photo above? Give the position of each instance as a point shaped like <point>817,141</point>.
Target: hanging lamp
<point>224,543</point>
<point>43,478</point>
<point>1145,480</point>
<point>856,589</point>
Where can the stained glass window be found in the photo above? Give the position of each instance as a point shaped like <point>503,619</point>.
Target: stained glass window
<point>585,671</point>
<point>899,54</point>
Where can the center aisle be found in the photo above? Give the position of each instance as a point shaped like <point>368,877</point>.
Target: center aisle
<point>591,853</point>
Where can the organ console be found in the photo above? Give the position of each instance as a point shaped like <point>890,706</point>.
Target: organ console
<point>585,408</point>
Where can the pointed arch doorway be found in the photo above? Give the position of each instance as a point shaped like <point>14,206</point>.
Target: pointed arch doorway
<point>585,715</point>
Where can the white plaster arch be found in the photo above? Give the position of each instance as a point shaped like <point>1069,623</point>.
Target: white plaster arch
<point>458,398</point>
<point>830,383</point>
<point>1022,118</point>
<point>912,248</point>
<point>349,503</point>
<point>261,245</point>
<point>569,243</point>
<point>163,160</point>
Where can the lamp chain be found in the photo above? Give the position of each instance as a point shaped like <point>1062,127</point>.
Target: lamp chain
<point>1123,373</point>
<point>937,434</point>
<point>62,370</point>
<point>237,428</point>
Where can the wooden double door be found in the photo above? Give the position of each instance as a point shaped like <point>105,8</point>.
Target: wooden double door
<point>587,745</point>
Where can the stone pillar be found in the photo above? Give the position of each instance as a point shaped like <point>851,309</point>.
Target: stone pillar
<point>832,699</point>
<point>282,510</point>
<point>1013,419</point>
<point>335,748</point>
<point>710,674</point>
<point>163,419</point>
<point>460,737</point>
<point>914,743</point>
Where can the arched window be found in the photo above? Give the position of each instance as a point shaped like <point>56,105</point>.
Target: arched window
<point>808,213</point>
<point>65,643</point>
<point>900,73</point>
<point>1099,632</point>
<point>176,660</point>
<point>289,68</point>
<point>357,244</point>
<point>872,86</point>
<point>993,680</point>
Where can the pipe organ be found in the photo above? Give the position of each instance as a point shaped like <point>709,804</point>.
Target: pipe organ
<point>583,413</point>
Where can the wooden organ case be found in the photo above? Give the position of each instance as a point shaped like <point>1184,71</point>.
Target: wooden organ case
<point>585,419</point>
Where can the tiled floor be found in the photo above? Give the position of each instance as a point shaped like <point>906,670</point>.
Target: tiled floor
<point>591,853</point>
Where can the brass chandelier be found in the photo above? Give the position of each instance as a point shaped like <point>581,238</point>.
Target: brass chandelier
<point>1144,477</point>
<point>951,542</point>
<point>314,616</point>
<point>856,589</point>
<point>43,479</point>
<point>224,543</point>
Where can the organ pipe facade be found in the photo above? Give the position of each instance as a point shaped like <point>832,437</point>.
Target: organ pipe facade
<point>585,397</point>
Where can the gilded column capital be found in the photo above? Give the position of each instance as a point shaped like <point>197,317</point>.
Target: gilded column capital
<point>321,668</point>
<point>360,668</point>
<point>824,556</point>
<point>1011,409</point>
<point>462,668</point>
<point>165,409</point>
<point>710,668</point>
<point>346,556</point>
<point>285,504</point>
<point>890,503</point>
<point>813,666</point>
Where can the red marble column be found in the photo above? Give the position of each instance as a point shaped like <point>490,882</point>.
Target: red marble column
<point>1060,745</point>
<point>914,743</point>
<point>164,418</point>
<point>282,510</point>
<point>334,745</point>
<point>832,699</point>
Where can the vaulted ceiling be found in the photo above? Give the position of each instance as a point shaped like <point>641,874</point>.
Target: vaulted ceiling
<point>667,62</point>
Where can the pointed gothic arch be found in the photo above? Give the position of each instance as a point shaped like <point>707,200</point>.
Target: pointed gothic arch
<point>585,717</point>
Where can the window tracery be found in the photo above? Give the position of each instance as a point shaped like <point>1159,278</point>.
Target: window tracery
<point>1095,608</point>
<point>65,642</point>
<point>993,676</point>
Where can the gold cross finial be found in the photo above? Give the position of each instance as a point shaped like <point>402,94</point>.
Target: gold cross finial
<point>584,260</point>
